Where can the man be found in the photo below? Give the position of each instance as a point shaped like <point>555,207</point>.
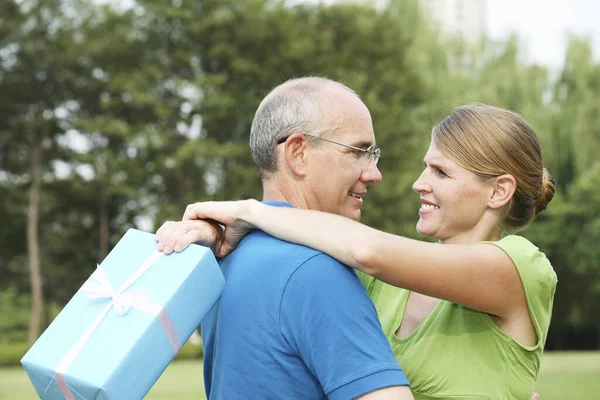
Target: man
<point>293,322</point>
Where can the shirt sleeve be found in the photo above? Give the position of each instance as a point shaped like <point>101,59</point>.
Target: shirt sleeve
<point>538,279</point>
<point>331,324</point>
<point>366,280</point>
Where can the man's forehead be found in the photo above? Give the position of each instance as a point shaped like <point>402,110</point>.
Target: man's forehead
<point>358,135</point>
<point>347,111</point>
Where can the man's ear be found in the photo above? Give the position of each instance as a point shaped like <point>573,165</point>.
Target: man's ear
<point>295,153</point>
<point>503,190</point>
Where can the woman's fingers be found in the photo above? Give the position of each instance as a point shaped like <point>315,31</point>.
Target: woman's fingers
<point>177,236</point>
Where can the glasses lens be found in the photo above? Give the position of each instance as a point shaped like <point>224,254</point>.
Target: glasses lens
<point>373,153</point>
<point>376,155</point>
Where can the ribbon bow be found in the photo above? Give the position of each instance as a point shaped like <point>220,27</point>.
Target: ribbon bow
<point>122,303</point>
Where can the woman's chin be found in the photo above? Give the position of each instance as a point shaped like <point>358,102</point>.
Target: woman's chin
<point>422,229</point>
<point>427,231</point>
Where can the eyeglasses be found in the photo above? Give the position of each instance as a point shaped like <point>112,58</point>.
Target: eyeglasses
<point>370,153</point>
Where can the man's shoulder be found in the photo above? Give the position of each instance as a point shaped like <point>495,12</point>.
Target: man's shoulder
<point>325,263</point>
<point>261,257</point>
<point>321,272</point>
<point>261,245</point>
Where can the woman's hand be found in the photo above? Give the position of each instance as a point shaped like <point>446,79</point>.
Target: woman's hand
<point>230,214</point>
<point>177,236</point>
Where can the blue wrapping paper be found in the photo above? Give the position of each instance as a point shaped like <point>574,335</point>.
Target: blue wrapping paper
<point>126,355</point>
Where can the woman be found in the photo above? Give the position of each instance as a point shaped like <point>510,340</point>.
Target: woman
<point>472,317</point>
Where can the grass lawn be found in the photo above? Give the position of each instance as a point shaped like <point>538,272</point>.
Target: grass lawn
<point>564,375</point>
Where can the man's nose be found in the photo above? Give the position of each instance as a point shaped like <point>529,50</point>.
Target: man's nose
<point>372,174</point>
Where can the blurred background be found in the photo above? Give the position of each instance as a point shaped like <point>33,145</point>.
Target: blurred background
<point>117,114</point>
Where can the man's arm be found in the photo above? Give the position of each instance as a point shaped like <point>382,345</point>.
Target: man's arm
<point>329,322</point>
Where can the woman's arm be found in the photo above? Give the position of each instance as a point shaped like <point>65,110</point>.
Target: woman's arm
<point>478,276</point>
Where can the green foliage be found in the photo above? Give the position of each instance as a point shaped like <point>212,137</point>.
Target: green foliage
<point>15,316</point>
<point>11,353</point>
<point>190,351</point>
<point>143,110</point>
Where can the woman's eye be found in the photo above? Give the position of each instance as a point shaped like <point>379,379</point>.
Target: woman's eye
<point>440,172</point>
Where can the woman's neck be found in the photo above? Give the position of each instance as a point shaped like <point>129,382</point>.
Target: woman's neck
<point>473,237</point>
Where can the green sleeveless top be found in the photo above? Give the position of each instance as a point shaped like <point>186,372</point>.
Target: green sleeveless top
<point>459,353</point>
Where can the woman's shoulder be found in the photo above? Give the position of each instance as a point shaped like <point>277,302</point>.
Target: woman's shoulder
<point>519,248</point>
<point>516,242</point>
<point>531,263</point>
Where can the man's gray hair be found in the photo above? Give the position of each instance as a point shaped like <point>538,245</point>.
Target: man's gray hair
<point>296,105</point>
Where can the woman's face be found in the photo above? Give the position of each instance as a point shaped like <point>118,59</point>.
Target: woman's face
<point>454,201</point>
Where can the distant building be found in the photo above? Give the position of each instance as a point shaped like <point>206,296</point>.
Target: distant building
<point>379,4</point>
<point>463,18</point>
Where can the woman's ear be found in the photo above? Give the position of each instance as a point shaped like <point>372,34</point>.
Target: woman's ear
<point>504,189</point>
<point>295,148</point>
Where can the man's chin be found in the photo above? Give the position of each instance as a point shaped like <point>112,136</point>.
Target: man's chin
<point>355,215</point>
<point>351,213</point>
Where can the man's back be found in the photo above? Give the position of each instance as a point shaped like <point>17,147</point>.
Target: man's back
<point>293,323</point>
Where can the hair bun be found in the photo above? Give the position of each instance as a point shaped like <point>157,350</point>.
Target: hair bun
<point>548,189</point>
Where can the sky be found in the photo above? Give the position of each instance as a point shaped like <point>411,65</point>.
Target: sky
<point>544,25</point>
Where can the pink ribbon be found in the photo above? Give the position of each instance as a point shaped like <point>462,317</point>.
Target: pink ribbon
<point>121,303</point>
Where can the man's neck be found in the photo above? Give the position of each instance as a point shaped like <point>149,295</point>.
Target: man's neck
<point>276,191</point>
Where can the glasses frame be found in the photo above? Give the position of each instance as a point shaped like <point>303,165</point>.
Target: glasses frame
<point>371,153</point>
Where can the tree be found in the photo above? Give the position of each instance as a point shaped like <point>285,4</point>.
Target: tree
<point>570,230</point>
<point>36,86</point>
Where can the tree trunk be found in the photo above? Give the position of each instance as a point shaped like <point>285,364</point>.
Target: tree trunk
<point>33,250</point>
<point>104,227</point>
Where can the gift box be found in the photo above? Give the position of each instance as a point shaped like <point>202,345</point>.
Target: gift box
<point>123,327</point>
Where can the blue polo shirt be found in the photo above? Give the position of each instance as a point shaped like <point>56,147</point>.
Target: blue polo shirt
<point>293,323</point>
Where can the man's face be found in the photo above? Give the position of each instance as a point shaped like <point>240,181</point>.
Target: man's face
<point>337,176</point>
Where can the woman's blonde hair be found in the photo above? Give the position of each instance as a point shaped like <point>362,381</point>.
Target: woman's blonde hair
<point>491,141</point>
